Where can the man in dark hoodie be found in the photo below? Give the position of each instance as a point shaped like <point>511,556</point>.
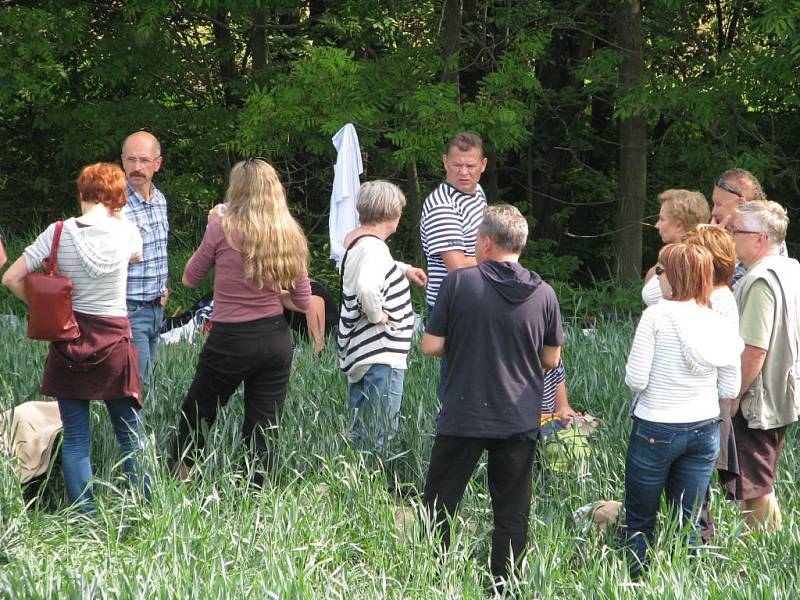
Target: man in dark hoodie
<point>499,326</point>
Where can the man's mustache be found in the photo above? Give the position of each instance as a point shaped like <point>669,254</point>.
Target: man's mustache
<point>137,174</point>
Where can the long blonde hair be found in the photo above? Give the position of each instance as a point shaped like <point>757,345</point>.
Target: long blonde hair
<point>273,246</point>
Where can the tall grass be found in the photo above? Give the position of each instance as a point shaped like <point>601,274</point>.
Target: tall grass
<point>326,526</point>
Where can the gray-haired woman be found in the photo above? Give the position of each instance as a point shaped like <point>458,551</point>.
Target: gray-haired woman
<point>376,320</point>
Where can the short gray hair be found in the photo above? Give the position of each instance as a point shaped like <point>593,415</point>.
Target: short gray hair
<point>744,181</point>
<point>766,216</point>
<point>379,201</point>
<point>506,226</point>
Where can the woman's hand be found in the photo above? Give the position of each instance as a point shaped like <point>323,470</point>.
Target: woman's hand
<point>417,276</point>
<point>216,212</point>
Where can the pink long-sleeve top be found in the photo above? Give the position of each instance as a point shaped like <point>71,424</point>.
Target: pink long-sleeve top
<point>237,299</point>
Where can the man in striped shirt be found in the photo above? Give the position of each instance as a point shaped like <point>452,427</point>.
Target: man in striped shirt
<point>147,280</point>
<point>452,212</point>
<point>450,218</point>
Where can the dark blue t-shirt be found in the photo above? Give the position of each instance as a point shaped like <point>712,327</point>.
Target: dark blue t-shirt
<point>496,318</point>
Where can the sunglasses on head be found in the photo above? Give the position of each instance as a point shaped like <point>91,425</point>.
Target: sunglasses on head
<point>724,185</point>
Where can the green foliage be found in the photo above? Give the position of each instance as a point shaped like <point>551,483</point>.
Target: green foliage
<point>539,81</point>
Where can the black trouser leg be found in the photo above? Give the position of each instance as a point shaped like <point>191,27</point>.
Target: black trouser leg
<point>510,471</point>
<point>453,460</point>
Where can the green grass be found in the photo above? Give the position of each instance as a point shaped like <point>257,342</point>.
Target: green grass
<point>327,528</point>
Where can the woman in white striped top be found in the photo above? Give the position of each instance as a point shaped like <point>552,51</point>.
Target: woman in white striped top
<point>376,320</point>
<point>684,358</point>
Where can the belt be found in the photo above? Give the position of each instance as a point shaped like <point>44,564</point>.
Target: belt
<point>153,302</point>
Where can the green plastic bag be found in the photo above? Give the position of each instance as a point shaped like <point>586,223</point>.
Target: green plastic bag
<point>565,449</point>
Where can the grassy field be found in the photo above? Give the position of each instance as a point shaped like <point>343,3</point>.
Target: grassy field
<point>327,527</point>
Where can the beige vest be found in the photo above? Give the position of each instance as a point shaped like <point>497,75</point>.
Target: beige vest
<point>773,400</point>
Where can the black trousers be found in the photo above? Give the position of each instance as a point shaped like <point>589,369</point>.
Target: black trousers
<point>510,466</point>
<point>256,353</point>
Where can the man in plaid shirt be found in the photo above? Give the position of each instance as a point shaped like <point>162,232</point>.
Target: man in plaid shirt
<point>147,280</point>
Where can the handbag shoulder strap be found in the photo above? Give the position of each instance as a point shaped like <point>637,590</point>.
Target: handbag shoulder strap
<point>54,247</point>
<point>344,261</point>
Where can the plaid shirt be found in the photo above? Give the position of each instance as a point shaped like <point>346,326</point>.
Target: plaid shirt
<point>147,280</point>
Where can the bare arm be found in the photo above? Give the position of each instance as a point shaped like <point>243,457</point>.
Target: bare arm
<point>562,409</point>
<point>14,278</point>
<point>315,321</point>
<point>550,355</point>
<point>3,256</point>
<point>456,259</point>
<point>433,345</point>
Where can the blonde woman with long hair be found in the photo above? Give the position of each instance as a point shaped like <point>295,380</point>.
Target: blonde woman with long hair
<point>260,260</point>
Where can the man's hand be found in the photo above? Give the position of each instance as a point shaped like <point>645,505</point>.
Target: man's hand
<point>565,414</point>
<point>723,223</point>
<point>165,298</point>
<point>417,276</point>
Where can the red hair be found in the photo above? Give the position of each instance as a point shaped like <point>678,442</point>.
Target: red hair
<point>689,269</point>
<point>103,183</point>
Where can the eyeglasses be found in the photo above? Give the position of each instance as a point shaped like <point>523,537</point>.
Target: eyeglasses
<point>659,270</point>
<point>735,231</point>
<point>724,185</point>
<point>145,160</point>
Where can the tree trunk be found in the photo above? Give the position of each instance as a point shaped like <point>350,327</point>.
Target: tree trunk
<point>633,147</point>
<point>258,41</point>
<point>414,210</point>
<point>451,40</point>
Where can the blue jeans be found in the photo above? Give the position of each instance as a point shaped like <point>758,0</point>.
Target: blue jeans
<point>145,331</point>
<point>76,446</point>
<point>677,458</point>
<point>376,399</point>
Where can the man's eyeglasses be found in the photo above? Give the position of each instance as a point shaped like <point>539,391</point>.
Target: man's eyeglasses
<point>144,160</point>
<point>659,270</point>
<point>735,231</point>
<point>724,185</point>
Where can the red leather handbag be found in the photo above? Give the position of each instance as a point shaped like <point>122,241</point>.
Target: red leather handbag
<point>49,295</point>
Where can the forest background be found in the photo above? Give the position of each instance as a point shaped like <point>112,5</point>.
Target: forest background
<point>588,110</point>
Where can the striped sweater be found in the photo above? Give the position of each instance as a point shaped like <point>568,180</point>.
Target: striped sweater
<point>95,258</point>
<point>373,284</point>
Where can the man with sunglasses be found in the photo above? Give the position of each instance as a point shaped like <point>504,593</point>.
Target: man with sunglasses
<point>147,281</point>
<point>733,188</point>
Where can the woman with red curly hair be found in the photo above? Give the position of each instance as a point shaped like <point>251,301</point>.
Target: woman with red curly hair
<point>94,252</point>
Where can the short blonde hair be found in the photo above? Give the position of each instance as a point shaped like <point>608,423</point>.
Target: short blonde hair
<point>766,216</point>
<point>686,207</point>
<point>379,201</point>
<point>719,242</point>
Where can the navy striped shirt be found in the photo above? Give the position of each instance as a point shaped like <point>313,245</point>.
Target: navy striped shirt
<point>147,280</point>
<point>449,221</point>
<point>552,379</point>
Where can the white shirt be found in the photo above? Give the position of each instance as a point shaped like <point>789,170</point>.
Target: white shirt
<point>684,358</point>
<point>344,215</point>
